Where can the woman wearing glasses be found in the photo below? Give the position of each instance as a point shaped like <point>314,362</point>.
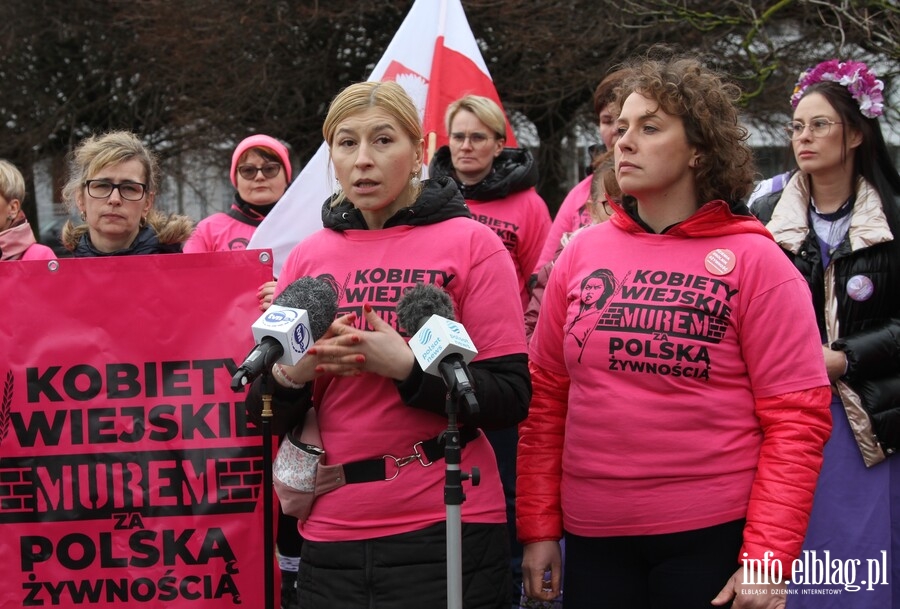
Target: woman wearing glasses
<point>838,220</point>
<point>112,183</point>
<point>498,185</point>
<point>260,173</point>
<point>497,182</point>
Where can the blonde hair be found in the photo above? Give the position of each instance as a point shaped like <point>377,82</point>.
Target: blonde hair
<point>485,109</point>
<point>12,184</point>
<point>99,151</point>
<point>361,96</point>
<point>388,96</point>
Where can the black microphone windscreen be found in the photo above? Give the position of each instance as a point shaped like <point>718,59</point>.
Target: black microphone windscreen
<point>419,303</point>
<point>316,297</point>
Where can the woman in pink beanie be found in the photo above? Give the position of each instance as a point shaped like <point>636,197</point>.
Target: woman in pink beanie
<point>260,172</point>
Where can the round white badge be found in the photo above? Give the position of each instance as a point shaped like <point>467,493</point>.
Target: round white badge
<point>720,261</point>
<point>860,288</point>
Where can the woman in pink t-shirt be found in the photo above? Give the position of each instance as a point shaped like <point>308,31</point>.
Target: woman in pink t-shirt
<point>679,410</point>
<point>379,540</point>
<point>573,211</point>
<point>260,173</point>
<point>497,182</point>
<point>499,186</point>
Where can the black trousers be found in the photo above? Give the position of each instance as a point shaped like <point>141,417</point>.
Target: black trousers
<point>407,571</point>
<point>288,540</point>
<point>682,570</point>
<point>504,442</point>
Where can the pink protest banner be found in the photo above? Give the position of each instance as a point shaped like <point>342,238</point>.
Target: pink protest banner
<point>129,474</point>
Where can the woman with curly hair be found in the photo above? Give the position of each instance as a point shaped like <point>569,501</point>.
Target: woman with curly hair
<point>677,446</point>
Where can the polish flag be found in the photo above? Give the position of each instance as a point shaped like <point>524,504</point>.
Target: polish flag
<point>435,58</point>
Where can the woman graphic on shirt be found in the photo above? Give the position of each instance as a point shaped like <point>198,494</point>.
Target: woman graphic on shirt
<point>596,290</point>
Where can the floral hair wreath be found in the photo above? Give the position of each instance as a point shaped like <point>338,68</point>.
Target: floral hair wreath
<point>855,75</point>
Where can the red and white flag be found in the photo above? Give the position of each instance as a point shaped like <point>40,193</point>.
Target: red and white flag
<point>435,58</point>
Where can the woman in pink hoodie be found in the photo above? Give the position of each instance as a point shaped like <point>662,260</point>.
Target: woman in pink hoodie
<point>17,240</point>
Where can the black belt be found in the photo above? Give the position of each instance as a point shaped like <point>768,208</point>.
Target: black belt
<point>425,452</point>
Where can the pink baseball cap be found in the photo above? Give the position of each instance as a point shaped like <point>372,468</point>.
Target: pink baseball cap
<point>260,141</point>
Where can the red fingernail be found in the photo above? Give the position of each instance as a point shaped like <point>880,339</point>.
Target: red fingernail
<point>360,358</point>
<point>367,307</point>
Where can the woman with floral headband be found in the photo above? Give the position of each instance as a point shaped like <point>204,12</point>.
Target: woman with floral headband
<point>838,219</point>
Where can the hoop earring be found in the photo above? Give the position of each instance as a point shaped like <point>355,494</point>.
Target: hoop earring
<point>143,222</point>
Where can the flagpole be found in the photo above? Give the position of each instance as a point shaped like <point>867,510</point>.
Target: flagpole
<point>431,147</point>
<point>431,137</point>
<point>453,475</point>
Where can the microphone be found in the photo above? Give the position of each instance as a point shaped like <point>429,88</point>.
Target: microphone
<point>440,344</point>
<point>297,318</point>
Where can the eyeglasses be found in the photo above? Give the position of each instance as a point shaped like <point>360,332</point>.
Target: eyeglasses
<point>476,139</point>
<point>818,127</point>
<point>103,189</point>
<point>269,170</point>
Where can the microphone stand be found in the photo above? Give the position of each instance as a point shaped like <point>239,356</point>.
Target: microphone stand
<point>267,490</point>
<point>459,391</point>
<point>241,378</point>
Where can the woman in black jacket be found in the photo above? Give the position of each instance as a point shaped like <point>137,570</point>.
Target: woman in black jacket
<point>377,537</point>
<point>112,184</point>
<point>838,219</point>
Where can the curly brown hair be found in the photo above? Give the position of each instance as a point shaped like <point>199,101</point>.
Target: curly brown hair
<point>605,93</point>
<point>683,86</point>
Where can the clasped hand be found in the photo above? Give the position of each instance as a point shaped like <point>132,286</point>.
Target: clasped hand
<point>346,350</point>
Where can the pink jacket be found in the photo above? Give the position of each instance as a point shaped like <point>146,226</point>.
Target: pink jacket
<point>18,243</point>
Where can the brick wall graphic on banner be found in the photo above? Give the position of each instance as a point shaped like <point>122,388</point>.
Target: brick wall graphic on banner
<point>129,473</point>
